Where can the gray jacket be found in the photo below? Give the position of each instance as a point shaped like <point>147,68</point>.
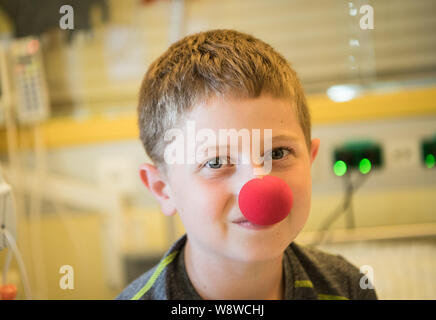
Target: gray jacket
<point>309,274</point>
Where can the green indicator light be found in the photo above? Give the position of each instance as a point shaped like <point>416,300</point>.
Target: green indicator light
<point>430,161</point>
<point>364,166</point>
<point>340,168</point>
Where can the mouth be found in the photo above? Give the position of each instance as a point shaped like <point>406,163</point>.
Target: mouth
<point>244,223</point>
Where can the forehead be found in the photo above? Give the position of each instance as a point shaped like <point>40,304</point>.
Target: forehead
<point>262,113</point>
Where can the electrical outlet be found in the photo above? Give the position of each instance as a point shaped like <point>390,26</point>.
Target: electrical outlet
<point>402,154</point>
<point>362,155</point>
<point>428,155</point>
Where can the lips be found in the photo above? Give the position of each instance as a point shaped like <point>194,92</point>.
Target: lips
<point>239,220</point>
<point>244,223</point>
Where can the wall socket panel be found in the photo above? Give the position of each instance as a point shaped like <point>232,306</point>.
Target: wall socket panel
<point>400,140</point>
<point>402,154</point>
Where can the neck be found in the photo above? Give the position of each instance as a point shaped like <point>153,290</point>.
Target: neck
<point>219,277</point>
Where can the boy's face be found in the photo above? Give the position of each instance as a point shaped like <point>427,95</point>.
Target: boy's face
<point>205,194</point>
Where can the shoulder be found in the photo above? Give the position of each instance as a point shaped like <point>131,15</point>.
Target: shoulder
<point>154,284</point>
<point>313,258</point>
<point>135,287</point>
<point>332,275</point>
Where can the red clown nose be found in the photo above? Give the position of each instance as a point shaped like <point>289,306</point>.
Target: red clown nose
<point>265,201</point>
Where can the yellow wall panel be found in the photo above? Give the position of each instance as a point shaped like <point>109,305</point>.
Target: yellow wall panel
<point>98,128</point>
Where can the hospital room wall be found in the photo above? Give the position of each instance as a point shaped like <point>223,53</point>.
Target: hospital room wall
<point>75,237</point>
<point>95,101</point>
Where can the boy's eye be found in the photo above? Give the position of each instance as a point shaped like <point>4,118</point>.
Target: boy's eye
<point>215,163</point>
<point>275,154</point>
<point>280,153</point>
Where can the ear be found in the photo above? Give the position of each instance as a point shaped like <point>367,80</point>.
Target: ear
<point>160,189</point>
<point>314,147</point>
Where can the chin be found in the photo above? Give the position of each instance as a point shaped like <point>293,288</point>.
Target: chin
<point>257,251</point>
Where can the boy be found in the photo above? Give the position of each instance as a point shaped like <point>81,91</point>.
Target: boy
<point>223,79</point>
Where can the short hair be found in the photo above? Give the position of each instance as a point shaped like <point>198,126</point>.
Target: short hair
<point>206,64</point>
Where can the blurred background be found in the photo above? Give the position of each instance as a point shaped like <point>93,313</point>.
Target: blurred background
<point>70,152</point>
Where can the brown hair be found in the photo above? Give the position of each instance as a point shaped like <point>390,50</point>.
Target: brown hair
<point>216,62</point>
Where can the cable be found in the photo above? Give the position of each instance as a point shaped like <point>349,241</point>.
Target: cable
<point>13,157</point>
<point>6,267</point>
<point>9,254</point>
<point>336,213</point>
<point>346,207</point>
<point>13,247</point>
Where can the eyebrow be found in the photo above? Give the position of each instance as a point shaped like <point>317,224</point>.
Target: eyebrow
<point>285,137</point>
<point>281,137</point>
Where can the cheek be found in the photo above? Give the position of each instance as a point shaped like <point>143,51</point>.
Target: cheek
<point>301,186</point>
<point>201,201</point>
